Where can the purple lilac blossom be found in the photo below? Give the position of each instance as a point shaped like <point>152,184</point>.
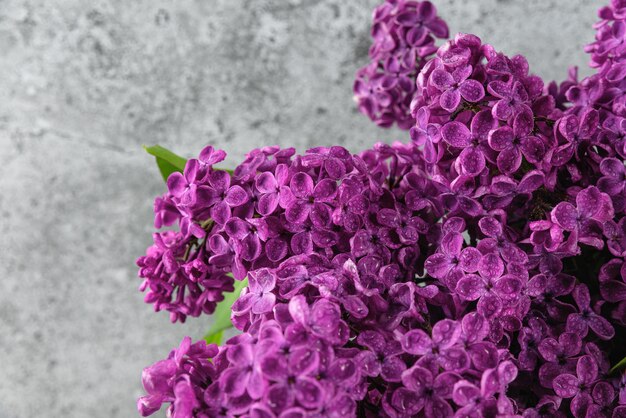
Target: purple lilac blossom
<point>403,34</point>
<point>477,270</point>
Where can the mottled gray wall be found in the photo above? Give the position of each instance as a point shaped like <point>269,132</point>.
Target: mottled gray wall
<point>84,83</point>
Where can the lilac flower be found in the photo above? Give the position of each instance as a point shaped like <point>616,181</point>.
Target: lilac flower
<point>614,133</point>
<point>423,391</point>
<point>456,85</point>
<point>401,222</point>
<point>575,130</point>
<point>445,335</point>
<point>269,184</point>
<point>548,407</point>
<point>483,400</point>
<point>545,290</point>
<point>165,212</point>
<point>584,219</point>
<point>293,379</point>
<point>259,298</point>
<point>513,99</point>
<point>613,182</point>
<point>586,318</point>
<point>351,205</point>
<point>612,278</point>
<point>334,162</point>
<point>560,356</point>
<point>603,396</point>
<point>475,328</point>
<point>249,233</point>
<point>497,239</point>
<point>182,186</point>
<point>529,339</point>
<point>209,156</point>
<point>499,379</point>
<point>177,285</point>
<point>513,143</point>
<point>382,358</point>
<point>504,190</point>
<point>322,318</point>
<point>369,241</point>
<point>427,134</point>
<point>472,158</point>
<point>303,197</point>
<point>609,42</point>
<point>406,302</point>
<point>546,235</point>
<point>180,379</point>
<point>578,386</point>
<point>246,375</point>
<point>412,279</point>
<point>453,260</point>
<point>490,287</point>
<point>403,33</point>
<point>461,196</point>
<point>615,236</point>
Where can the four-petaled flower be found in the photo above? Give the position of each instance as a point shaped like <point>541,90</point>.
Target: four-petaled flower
<point>578,386</point>
<point>586,318</point>
<point>455,86</point>
<point>259,298</point>
<point>513,143</point>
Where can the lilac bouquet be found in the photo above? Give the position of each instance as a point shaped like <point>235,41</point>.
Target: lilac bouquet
<point>477,270</point>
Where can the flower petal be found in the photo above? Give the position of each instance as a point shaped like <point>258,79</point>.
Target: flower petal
<point>456,134</point>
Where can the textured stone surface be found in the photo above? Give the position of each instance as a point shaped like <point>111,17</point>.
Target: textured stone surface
<point>85,83</point>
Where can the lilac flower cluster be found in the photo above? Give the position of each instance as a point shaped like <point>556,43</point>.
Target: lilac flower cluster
<point>477,271</point>
<point>404,33</point>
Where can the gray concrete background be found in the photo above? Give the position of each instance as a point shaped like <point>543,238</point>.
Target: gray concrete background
<point>84,83</point>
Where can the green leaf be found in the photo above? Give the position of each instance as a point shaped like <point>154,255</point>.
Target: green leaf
<point>166,160</point>
<point>620,365</point>
<point>221,316</point>
<point>215,338</point>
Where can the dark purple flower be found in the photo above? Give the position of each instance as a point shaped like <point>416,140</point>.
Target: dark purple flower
<point>303,197</point>
<point>423,391</point>
<point>516,142</point>
<point>578,386</point>
<point>585,219</point>
<point>586,318</point>
<point>180,379</point>
<point>382,358</point>
<point>293,378</point>
<point>603,396</point>
<point>513,99</point>
<point>473,141</point>
<point>612,278</point>
<point>441,346</point>
<point>453,260</point>
<point>259,298</point>
<point>268,184</point>
<point>575,130</point>
<point>490,287</point>
<point>473,399</point>
<point>455,86</point>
